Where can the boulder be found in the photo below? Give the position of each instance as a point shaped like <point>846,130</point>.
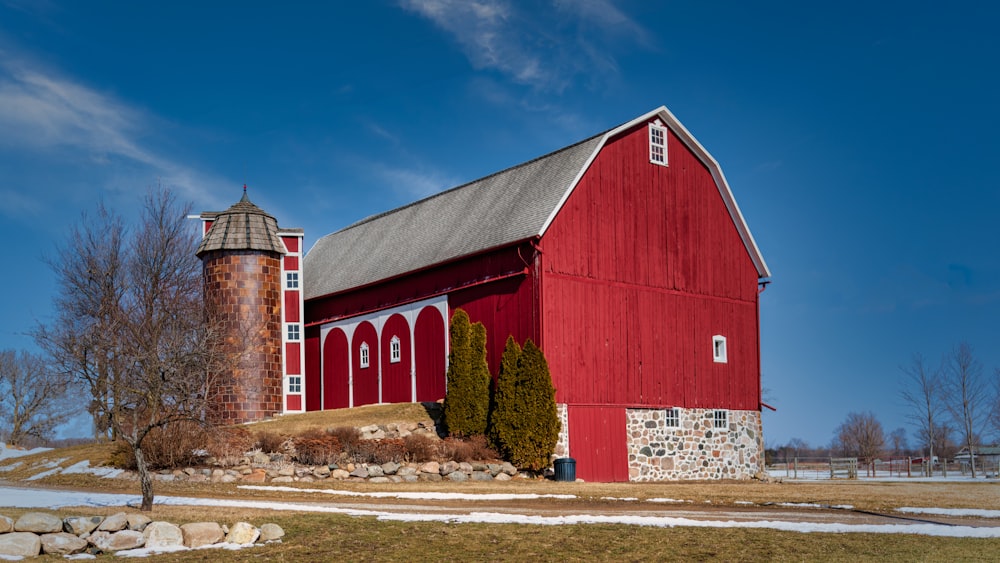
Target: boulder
<point>38,523</point>
<point>287,471</point>
<point>431,467</point>
<point>242,533</point>
<point>457,476</point>
<point>375,470</point>
<point>377,480</point>
<point>271,532</point>
<point>114,523</point>
<point>62,543</point>
<point>465,467</point>
<point>390,467</point>
<point>360,471</point>
<point>198,534</point>
<point>502,477</point>
<point>79,525</point>
<point>481,476</point>
<point>339,474</point>
<point>116,541</point>
<point>138,522</point>
<point>20,544</point>
<point>163,534</point>
<point>449,467</point>
<point>407,470</point>
<point>321,472</point>
<point>507,468</point>
<point>6,525</point>
<point>283,479</point>
<point>256,476</point>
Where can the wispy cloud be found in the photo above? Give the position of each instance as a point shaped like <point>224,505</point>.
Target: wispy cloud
<point>44,112</point>
<point>412,183</point>
<point>546,48</point>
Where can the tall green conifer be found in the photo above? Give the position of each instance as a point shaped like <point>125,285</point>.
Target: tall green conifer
<point>466,404</point>
<point>525,422</point>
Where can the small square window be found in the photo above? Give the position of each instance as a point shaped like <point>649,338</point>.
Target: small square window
<point>658,144</point>
<point>721,419</point>
<point>395,353</point>
<point>672,418</point>
<point>291,280</point>
<point>294,384</point>
<point>294,334</point>
<point>364,355</point>
<point>719,349</point>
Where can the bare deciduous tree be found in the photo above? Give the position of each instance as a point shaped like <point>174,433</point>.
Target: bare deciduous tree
<point>966,395</point>
<point>861,435</point>
<point>34,400</point>
<point>897,439</point>
<point>132,327</point>
<point>922,393</point>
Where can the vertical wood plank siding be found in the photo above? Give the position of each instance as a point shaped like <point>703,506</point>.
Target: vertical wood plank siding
<point>430,355</point>
<point>313,376</point>
<point>641,268</point>
<point>336,371</point>
<point>365,379</point>
<point>598,443</point>
<point>396,381</point>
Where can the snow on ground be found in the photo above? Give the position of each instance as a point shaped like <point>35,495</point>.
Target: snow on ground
<point>8,452</point>
<point>41,498</point>
<point>84,467</point>
<point>410,495</point>
<point>978,512</point>
<point>882,476</point>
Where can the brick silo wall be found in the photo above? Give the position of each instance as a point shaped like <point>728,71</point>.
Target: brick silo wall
<point>243,296</point>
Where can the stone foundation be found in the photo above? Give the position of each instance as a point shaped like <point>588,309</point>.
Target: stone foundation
<point>562,445</point>
<point>694,449</point>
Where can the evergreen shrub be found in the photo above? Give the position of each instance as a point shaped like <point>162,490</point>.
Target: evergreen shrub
<point>525,421</point>
<point>467,402</point>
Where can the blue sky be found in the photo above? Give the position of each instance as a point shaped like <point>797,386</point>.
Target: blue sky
<point>858,138</point>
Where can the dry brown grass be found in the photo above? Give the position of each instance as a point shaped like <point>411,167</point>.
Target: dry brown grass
<point>292,424</point>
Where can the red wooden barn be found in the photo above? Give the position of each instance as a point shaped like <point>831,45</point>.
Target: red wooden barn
<point>623,256</point>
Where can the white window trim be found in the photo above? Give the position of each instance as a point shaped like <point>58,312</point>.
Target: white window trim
<point>673,415</point>
<point>295,384</point>
<point>395,350</point>
<point>293,333</point>
<point>658,150</point>
<point>291,280</point>
<point>719,353</point>
<point>364,356</point>
<point>720,416</point>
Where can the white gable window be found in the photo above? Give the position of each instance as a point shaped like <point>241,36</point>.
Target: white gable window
<point>364,354</point>
<point>719,349</point>
<point>394,351</point>
<point>294,333</point>
<point>721,419</point>
<point>291,280</point>
<point>672,418</point>
<point>658,143</point>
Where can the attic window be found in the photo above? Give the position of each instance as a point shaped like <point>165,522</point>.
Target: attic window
<point>364,355</point>
<point>719,349</point>
<point>394,351</point>
<point>294,333</point>
<point>657,144</point>
<point>672,418</point>
<point>720,419</point>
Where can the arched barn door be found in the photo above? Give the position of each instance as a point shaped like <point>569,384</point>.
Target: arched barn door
<point>396,386</point>
<point>365,347</point>
<point>336,371</point>
<point>430,355</point>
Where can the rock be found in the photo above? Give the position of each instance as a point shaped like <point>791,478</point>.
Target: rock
<point>370,429</point>
<point>404,471</point>
<point>242,533</point>
<point>39,523</point>
<point>321,472</point>
<point>227,478</point>
<point>339,474</point>
<point>374,470</point>
<point>283,479</point>
<point>379,480</point>
<point>114,523</point>
<point>432,477</point>
<point>509,469</point>
<point>457,476</point>
<point>138,522</point>
<point>480,466</point>
<point>256,476</point>
<point>431,467</point>
<point>465,467</point>
<point>390,467</point>
<point>360,471</point>
<point>287,471</point>
<point>481,476</point>
<point>62,543</point>
<point>79,525</point>
<point>117,541</point>
<point>198,534</point>
<point>493,468</point>
<point>20,544</point>
<point>6,525</point>
<point>502,477</point>
<point>190,471</point>
<point>158,477</point>
<point>271,532</point>
<point>198,478</point>
<point>163,534</point>
<point>307,479</point>
<point>411,478</point>
<point>449,467</point>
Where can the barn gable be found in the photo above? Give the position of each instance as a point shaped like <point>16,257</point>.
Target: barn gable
<point>510,206</point>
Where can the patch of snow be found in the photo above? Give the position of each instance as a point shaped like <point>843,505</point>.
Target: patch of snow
<point>7,452</point>
<point>52,471</point>
<point>626,499</point>
<point>745,502</point>
<point>84,467</point>
<point>410,496</point>
<point>982,513</point>
<point>12,466</point>
<point>667,500</point>
<point>814,505</point>
<point>80,556</point>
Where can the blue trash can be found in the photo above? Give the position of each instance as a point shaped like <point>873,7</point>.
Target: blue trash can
<point>565,469</point>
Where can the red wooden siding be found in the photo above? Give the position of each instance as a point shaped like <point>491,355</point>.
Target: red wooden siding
<point>291,264</point>
<point>336,371</point>
<point>597,441</point>
<point>291,243</point>
<point>292,358</point>
<point>642,266</point>
<point>292,306</point>
<point>505,308</point>
<point>314,398</point>
<point>396,380</point>
<point>365,379</point>
<point>293,402</point>
<point>429,349</point>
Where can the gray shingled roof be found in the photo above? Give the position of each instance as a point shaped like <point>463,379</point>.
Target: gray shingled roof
<point>244,226</point>
<point>494,211</point>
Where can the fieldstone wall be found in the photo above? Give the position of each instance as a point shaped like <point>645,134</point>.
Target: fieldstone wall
<point>694,449</point>
<point>562,445</point>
